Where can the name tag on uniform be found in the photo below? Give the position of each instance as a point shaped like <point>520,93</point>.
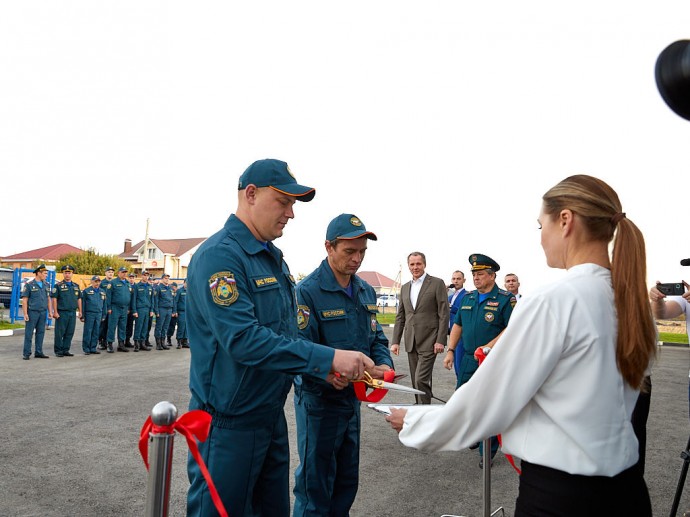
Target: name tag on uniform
<point>492,304</point>
<point>466,308</point>
<point>268,280</point>
<point>333,313</point>
<point>372,308</point>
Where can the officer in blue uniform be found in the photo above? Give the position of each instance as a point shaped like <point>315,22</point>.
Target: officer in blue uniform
<point>337,309</point>
<point>163,307</point>
<point>119,299</point>
<point>173,319</point>
<point>242,320</point>
<point>482,316</point>
<point>142,310</point>
<point>105,285</point>
<point>129,329</point>
<point>94,311</point>
<point>66,297</point>
<point>180,312</point>
<point>35,302</point>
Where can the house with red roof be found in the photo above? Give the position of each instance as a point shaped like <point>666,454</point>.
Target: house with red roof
<point>160,256</point>
<point>33,258</point>
<point>381,283</point>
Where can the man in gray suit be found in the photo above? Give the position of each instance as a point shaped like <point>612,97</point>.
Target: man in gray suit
<point>423,316</point>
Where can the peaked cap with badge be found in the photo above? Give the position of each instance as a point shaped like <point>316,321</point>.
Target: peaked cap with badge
<point>40,268</point>
<point>481,262</point>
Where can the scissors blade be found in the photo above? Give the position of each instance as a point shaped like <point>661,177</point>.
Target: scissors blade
<point>395,387</point>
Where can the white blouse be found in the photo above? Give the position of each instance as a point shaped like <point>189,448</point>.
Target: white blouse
<point>550,385</point>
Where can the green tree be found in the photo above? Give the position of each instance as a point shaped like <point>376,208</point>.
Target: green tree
<point>90,263</point>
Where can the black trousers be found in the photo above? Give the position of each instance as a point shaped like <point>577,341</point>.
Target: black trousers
<point>549,492</point>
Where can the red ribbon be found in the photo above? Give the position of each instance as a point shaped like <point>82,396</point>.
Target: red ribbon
<point>377,394</point>
<point>194,426</point>
<point>480,355</point>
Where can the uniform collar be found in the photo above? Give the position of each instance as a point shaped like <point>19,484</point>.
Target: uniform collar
<point>251,246</point>
<point>327,280</point>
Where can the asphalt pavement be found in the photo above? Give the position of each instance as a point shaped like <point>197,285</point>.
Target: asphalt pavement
<point>70,429</point>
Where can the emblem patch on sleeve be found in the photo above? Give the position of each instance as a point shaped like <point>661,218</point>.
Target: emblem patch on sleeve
<point>374,322</point>
<point>302,316</point>
<point>223,288</point>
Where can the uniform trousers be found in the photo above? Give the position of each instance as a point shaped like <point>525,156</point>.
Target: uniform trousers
<point>162,322</point>
<point>92,327</point>
<point>117,321</point>
<point>248,458</point>
<point>548,492</point>
<point>37,322</point>
<point>181,325</point>
<point>103,334</point>
<point>141,327</point>
<point>327,478</point>
<point>171,327</point>
<point>64,331</point>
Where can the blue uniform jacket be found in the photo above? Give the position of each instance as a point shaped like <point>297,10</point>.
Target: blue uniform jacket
<point>481,322</point>
<point>162,297</point>
<point>327,315</point>
<point>119,292</point>
<point>242,319</point>
<point>93,301</point>
<point>37,295</point>
<point>180,300</point>
<point>142,297</point>
<point>67,295</point>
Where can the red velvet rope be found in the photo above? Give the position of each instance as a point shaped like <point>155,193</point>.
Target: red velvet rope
<point>377,394</point>
<point>194,426</point>
<point>480,355</point>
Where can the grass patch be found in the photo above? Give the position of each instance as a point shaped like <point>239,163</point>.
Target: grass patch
<point>386,319</point>
<point>5,325</point>
<point>670,337</point>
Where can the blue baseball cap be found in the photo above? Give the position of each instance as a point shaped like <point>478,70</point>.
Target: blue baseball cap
<point>348,226</point>
<point>122,269</point>
<point>95,277</point>
<point>275,174</point>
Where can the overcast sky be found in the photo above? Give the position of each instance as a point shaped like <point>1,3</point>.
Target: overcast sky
<point>439,123</point>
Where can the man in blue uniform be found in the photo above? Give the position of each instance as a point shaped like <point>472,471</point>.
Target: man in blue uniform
<point>119,299</point>
<point>242,320</point>
<point>163,307</point>
<point>35,303</point>
<point>129,329</point>
<point>180,312</point>
<point>105,285</point>
<point>94,311</point>
<point>483,315</point>
<point>66,297</point>
<point>142,310</point>
<point>173,319</point>
<point>337,309</point>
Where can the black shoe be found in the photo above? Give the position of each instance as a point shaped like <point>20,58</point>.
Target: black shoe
<point>168,342</point>
<point>68,354</point>
<point>129,345</point>
<point>121,348</point>
<point>101,346</point>
<point>87,353</point>
<point>185,344</point>
<point>26,357</point>
<point>474,446</point>
<point>94,352</point>
<point>41,356</point>
<point>110,348</point>
<point>179,345</point>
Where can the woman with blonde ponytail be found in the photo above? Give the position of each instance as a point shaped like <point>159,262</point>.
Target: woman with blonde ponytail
<point>561,382</point>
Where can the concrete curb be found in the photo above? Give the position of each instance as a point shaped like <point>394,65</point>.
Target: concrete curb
<point>11,332</point>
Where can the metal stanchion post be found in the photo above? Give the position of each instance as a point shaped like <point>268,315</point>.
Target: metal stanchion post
<point>160,461</point>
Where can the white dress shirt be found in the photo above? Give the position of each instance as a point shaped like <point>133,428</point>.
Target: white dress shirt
<point>415,287</point>
<point>550,385</point>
